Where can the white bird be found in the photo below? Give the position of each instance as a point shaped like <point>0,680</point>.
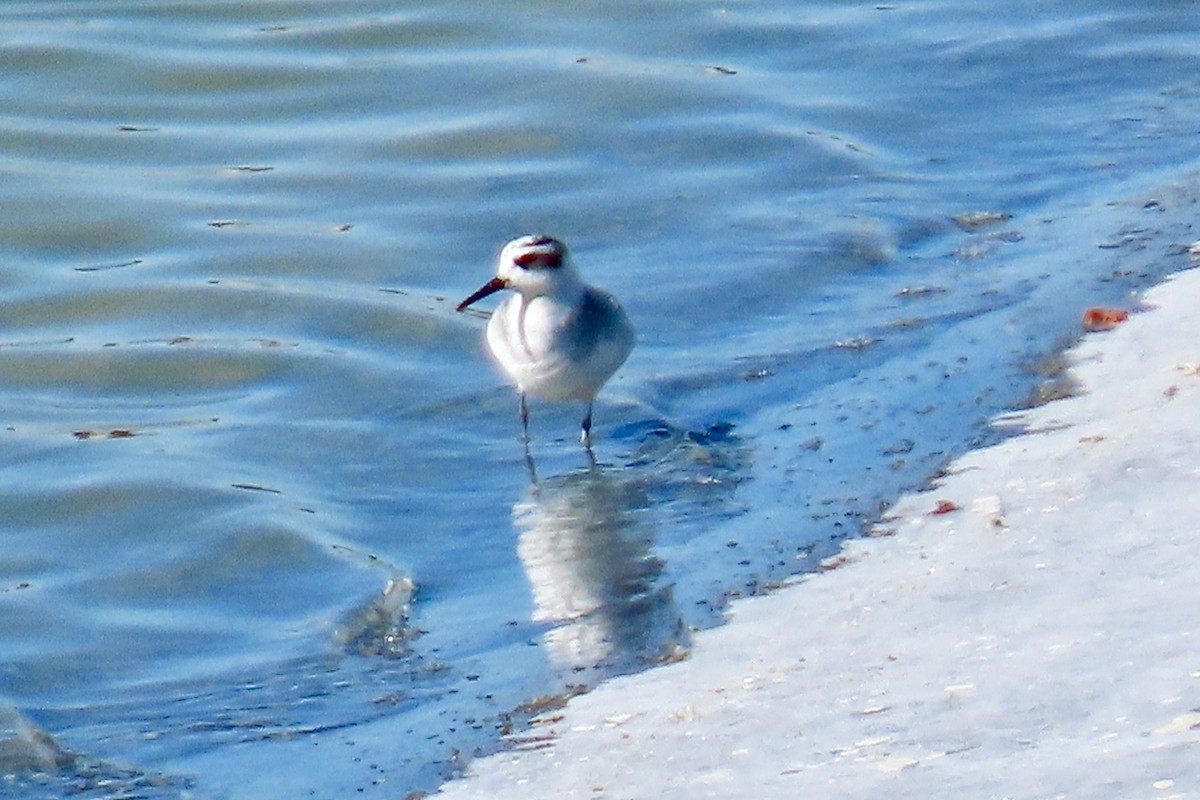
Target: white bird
<point>556,337</point>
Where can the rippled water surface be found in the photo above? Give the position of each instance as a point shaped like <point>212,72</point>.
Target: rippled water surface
<point>265,525</point>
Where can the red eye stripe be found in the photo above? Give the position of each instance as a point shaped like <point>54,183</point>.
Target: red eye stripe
<point>536,260</point>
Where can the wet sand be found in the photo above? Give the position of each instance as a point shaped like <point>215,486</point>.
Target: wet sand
<point>1037,638</point>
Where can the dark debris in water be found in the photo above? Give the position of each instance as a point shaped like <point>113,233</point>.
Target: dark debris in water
<point>972,221</point>
<point>115,433</point>
<point>1190,249</point>
<point>982,246</point>
<point>921,290</point>
<point>756,374</point>
<point>100,781</point>
<point>254,487</point>
<point>1134,237</point>
<point>860,342</point>
<point>105,267</point>
<point>551,702</point>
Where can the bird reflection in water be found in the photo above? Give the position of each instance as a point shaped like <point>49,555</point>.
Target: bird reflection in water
<point>596,585</point>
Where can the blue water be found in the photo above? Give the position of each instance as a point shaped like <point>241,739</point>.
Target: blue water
<point>265,524</point>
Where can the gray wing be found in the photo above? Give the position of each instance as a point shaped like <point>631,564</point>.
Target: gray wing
<point>599,323</point>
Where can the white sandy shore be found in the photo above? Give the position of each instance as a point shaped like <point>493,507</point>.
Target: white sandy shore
<point>1039,642</point>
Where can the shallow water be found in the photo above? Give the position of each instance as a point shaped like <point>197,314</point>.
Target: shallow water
<point>266,523</point>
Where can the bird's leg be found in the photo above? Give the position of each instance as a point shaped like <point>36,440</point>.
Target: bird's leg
<point>530,467</point>
<point>585,435</point>
<point>524,411</point>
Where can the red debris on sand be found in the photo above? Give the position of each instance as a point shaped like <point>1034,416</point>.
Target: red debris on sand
<point>1103,319</point>
<point>944,507</point>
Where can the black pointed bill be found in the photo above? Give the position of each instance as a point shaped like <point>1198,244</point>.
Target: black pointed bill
<point>491,287</point>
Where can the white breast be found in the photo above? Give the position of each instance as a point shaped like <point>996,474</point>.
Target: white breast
<point>559,350</point>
